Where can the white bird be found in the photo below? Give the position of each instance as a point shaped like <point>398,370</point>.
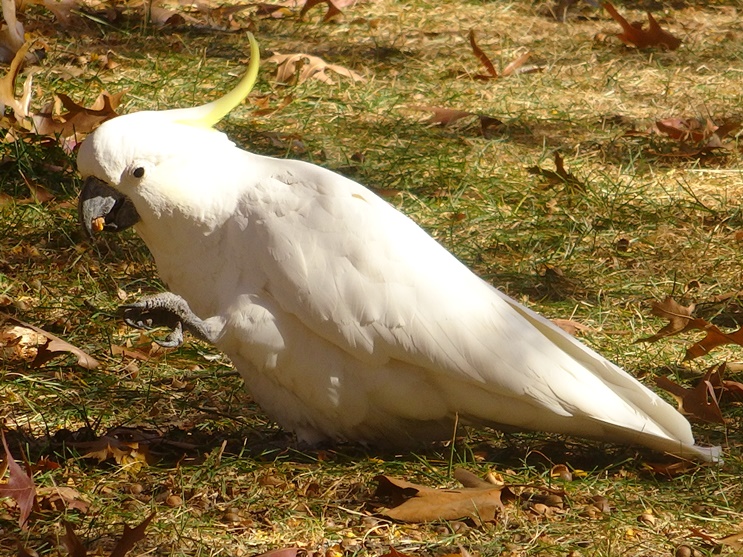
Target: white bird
<point>345,319</point>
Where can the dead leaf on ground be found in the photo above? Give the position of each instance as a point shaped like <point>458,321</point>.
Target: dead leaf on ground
<point>445,117</point>
<point>77,120</point>
<point>672,469</point>
<point>299,67</point>
<point>558,176</point>
<point>129,454</point>
<point>700,402</point>
<point>19,487</point>
<point>52,347</point>
<point>20,106</point>
<point>679,318</point>
<point>417,503</point>
<point>333,12</point>
<point>734,541</point>
<point>516,66</point>
<point>129,538</point>
<point>571,327</point>
<point>12,35</point>
<point>60,498</point>
<point>72,543</point>
<point>634,34</point>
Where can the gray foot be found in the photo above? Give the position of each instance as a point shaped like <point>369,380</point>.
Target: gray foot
<point>171,311</point>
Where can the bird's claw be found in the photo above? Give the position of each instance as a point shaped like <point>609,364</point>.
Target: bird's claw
<point>148,314</point>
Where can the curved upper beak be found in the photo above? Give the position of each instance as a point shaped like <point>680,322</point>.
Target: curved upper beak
<point>100,207</point>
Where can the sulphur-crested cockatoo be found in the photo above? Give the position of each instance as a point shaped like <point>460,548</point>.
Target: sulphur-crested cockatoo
<point>346,320</point>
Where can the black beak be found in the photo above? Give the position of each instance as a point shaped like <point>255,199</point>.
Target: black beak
<point>100,207</point>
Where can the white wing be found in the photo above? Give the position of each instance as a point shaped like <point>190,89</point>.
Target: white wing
<point>372,283</point>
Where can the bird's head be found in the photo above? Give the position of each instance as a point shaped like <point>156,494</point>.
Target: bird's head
<point>136,160</point>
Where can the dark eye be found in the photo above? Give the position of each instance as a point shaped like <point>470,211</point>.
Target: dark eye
<point>138,172</point>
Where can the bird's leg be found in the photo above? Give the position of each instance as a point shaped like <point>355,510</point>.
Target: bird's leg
<point>169,310</point>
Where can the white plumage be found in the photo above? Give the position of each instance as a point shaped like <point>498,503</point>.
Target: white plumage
<point>346,320</point>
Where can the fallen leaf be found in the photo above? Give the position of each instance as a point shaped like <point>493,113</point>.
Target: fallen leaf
<point>275,11</point>
<point>446,116</point>
<point>492,73</point>
<point>416,503</point>
<point>734,541</point>
<point>679,318</point>
<point>130,537</point>
<point>19,487</point>
<point>483,58</point>
<point>571,327</point>
<point>78,120</point>
<point>128,540</point>
<point>53,346</point>
<point>60,498</point>
<point>699,402</point>
<point>332,13</point>
<point>20,106</point>
<point>127,453</point>
<point>634,34</point>
<point>672,469</point>
<point>11,37</point>
<point>301,67</point>
<point>558,176</point>
<point>72,543</point>
<point>714,338</point>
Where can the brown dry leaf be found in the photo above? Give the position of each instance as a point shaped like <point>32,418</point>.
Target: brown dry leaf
<point>558,176</point>
<point>634,34</point>
<point>333,11</point>
<point>443,116</point>
<point>78,120</point>
<point>571,327</point>
<point>128,540</point>
<point>483,58</point>
<point>734,541</point>
<point>679,319</point>
<point>672,469</point>
<point>686,129</point>
<point>130,537</point>
<point>72,543</point>
<point>299,67</point>
<point>19,487</point>
<point>705,135</point>
<point>275,11</point>
<point>511,68</point>
<point>53,346</point>
<point>129,454</point>
<point>11,37</point>
<point>59,498</point>
<point>446,116</point>
<point>699,402</point>
<point>7,87</point>
<point>416,503</point>
<point>714,338</point>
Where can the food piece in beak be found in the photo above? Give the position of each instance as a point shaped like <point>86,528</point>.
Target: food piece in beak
<point>100,207</point>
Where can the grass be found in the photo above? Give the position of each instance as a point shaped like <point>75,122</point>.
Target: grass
<point>241,487</point>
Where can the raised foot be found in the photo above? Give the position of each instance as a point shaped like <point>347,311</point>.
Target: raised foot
<point>167,310</point>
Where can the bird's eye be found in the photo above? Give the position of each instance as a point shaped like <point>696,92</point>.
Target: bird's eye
<point>138,172</point>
